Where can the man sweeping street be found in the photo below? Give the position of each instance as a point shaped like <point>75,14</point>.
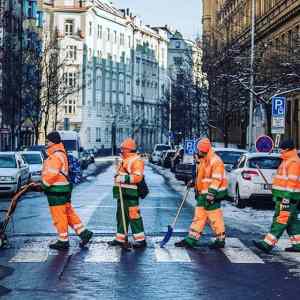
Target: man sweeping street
<point>286,194</point>
<point>130,173</point>
<point>210,188</point>
<point>58,188</point>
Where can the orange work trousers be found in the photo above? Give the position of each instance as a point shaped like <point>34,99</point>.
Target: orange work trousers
<point>64,216</point>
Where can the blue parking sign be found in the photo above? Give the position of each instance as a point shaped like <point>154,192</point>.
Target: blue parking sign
<point>189,147</point>
<point>278,106</point>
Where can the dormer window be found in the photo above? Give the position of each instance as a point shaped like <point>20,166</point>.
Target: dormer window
<point>69,27</point>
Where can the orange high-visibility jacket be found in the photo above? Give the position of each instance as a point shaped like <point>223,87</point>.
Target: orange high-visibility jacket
<point>286,183</point>
<point>132,167</point>
<point>54,165</point>
<point>211,176</point>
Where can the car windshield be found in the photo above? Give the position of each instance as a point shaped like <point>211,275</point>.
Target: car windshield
<point>162,147</point>
<point>32,159</point>
<point>7,161</point>
<point>229,157</point>
<point>267,163</point>
<point>70,145</point>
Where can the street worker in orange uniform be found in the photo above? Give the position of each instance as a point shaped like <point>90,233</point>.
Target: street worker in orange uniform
<point>286,194</point>
<point>58,189</point>
<point>130,173</point>
<point>210,187</point>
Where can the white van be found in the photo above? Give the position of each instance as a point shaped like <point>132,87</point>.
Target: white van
<point>71,141</point>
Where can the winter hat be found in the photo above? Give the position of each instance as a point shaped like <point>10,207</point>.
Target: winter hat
<point>54,137</point>
<point>204,145</point>
<point>287,144</point>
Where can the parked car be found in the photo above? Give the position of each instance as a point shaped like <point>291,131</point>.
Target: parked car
<point>14,172</point>
<point>35,161</point>
<point>184,172</point>
<point>162,154</point>
<point>175,160</point>
<point>166,158</point>
<point>40,148</point>
<point>230,156</point>
<point>245,181</point>
<point>156,154</point>
<point>84,159</point>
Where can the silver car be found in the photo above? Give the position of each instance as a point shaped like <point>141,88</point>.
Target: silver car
<point>35,161</point>
<point>14,172</point>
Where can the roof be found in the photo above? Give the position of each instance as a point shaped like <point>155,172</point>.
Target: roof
<point>109,8</point>
<point>229,149</point>
<point>261,154</point>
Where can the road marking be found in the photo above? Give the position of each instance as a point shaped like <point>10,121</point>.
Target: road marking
<point>238,253</point>
<point>31,253</point>
<point>171,255</point>
<point>99,253</point>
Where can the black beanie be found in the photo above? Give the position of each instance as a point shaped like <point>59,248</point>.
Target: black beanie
<point>54,137</point>
<point>287,144</point>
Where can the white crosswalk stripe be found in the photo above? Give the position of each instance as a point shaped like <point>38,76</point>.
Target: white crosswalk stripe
<point>238,253</point>
<point>99,252</point>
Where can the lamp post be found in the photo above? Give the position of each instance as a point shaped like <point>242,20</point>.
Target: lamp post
<point>252,76</point>
<point>170,109</point>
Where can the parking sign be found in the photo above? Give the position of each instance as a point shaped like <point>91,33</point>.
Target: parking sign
<point>189,147</point>
<point>278,114</point>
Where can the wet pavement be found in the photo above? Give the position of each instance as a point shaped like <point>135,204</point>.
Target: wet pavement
<point>29,270</point>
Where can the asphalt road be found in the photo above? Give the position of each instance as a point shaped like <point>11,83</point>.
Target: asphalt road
<point>29,270</point>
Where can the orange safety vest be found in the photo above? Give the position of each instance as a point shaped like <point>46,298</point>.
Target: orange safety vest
<point>211,175</point>
<point>54,166</point>
<point>286,183</point>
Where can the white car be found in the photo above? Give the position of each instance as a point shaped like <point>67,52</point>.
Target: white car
<point>35,161</point>
<point>251,178</point>
<point>157,151</point>
<point>14,172</point>
<point>229,156</point>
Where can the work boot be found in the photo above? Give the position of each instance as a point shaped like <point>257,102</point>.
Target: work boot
<point>140,245</point>
<point>115,243</point>
<point>292,249</point>
<point>60,246</point>
<point>85,236</point>
<point>260,245</point>
<point>183,244</point>
<point>217,244</point>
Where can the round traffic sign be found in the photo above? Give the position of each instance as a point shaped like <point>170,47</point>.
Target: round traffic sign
<point>264,144</point>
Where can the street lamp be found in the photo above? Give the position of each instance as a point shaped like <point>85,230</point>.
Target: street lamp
<point>170,109</point>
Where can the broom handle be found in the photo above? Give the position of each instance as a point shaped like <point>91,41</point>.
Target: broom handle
<point>181,206</point>
<point>123,211</point>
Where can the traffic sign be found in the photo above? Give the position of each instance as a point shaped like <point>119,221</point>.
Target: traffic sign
<point>189,147</point>
<point>264,144</point>
<point>278,114</point>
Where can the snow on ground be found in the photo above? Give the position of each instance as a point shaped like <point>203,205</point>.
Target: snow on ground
<point>259,221</point>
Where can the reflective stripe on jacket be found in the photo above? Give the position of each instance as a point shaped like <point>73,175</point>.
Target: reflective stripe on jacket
<point>211,176</point>
<point>286,183</point>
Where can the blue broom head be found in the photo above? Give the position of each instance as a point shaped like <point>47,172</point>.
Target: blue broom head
<point>166,237</point>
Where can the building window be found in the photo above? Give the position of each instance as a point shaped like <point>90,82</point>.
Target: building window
<point>106,136</point>
<point>107,34</point>
<point>69,27</point>
<point>89,134</point>
<point>70,79</point>
<point>70,106</point>
<point>115,37</point>
<point>71,52</point>
<point>129,41</point>
<point>122,39</point>
<point>98,108</point>
<point>99,33</point>
<point>31,9</point>
<point>90,28</point>
<point>177,45</point>
<point>99,79</point>
<point>98,135</point>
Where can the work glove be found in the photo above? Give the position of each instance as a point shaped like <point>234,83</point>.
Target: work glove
<point>36,187</point>
<point>119,179</point>
<point>210,198</point>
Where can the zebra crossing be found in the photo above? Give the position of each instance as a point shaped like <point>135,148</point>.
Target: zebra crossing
<point>235,252</point>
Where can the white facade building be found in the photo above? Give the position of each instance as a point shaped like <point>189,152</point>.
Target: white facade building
<point>107,53</point>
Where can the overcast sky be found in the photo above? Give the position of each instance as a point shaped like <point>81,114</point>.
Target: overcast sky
<point>184,15</point>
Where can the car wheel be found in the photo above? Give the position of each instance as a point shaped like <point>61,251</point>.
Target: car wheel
<point>240,203</point>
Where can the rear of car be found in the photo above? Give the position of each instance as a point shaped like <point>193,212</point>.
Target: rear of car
<point>229,156</point>
<point>157,151</point>
<point>166,161</point>
<point>252,180</point>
